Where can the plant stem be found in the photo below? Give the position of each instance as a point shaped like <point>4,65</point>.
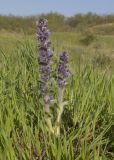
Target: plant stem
<point>60,110</point>
<point>47,118</point>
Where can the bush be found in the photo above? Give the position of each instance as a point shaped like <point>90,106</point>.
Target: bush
<point>87,38</point>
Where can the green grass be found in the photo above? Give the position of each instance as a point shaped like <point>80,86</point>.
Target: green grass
<point>88,120</point>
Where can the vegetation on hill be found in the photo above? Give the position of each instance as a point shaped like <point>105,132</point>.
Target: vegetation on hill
<point>58,22</point>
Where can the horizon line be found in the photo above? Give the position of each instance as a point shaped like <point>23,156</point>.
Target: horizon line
<point>33,15</point>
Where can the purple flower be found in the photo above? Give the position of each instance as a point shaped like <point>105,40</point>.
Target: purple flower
<point>42,23</point>
<point>62,70</point>
<point>44,56</point>
<point>64,57</point>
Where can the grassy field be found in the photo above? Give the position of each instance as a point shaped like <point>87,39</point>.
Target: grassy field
<point>87,129</point>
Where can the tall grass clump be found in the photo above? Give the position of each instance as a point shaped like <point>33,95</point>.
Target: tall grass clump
<point>86,125</point>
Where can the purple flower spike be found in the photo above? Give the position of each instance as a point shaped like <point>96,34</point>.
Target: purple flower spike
<point>45,55</point>
<point>63,71</point>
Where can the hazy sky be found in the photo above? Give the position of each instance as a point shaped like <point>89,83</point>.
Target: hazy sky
<point>66,7</point>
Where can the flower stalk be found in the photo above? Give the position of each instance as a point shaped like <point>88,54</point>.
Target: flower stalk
<point>44,60</point>
<point>63,74</point>
<point>60,109</point>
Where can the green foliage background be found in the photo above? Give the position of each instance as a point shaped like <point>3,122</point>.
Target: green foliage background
<point>60,23</point>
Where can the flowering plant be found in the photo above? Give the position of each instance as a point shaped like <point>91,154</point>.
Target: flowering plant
<point>45,70</point>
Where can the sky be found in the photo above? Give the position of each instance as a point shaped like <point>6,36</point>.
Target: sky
<point>65,7</point>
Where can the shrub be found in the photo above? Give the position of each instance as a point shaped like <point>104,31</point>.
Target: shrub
<point>87,38</point>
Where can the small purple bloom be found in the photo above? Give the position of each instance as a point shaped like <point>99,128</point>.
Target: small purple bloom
<point>64,57</point>
<point>41,23</point>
